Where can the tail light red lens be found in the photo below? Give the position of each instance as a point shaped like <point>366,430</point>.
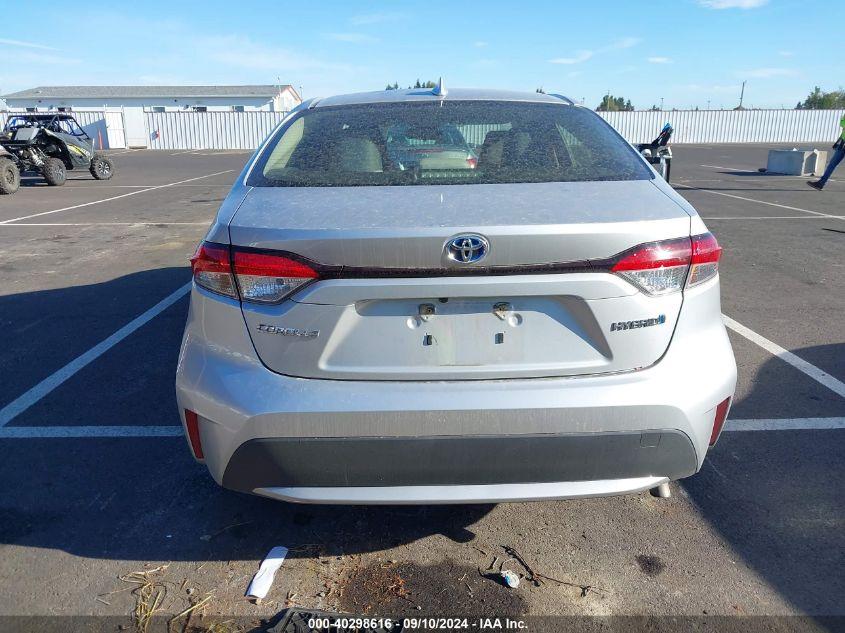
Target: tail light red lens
<point>706,253</point>
<point>719,419</point>
<point>192,424</point>
<point>659,268</point>
<point>212,270</point>
<point>257,277</point>
<point>267,278</point>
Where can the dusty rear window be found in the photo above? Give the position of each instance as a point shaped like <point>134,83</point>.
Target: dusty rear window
<point>458,142</point>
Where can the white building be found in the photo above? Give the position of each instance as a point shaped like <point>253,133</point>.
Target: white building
<point>155,98</point>
<point>133,116</point>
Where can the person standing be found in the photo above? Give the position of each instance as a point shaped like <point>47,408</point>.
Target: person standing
<point>838,155</point>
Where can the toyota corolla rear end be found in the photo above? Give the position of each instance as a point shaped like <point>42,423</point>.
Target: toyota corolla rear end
<point>541,323</point>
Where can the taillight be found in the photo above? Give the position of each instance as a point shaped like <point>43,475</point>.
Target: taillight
<point>472,161</point>
<point>705,259</point>
<point>257,277</point>
<point>212,270</point>
<point>659,268</point>
<point>268,278</point>
<point>719,419</point>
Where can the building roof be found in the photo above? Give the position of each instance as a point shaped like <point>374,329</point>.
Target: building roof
<point>134,92</point>
<point>426,94</point>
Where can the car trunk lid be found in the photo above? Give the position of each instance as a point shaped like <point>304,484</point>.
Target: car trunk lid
<point>391,305</point>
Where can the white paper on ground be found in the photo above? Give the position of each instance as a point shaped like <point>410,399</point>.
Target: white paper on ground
<point>263,580</point>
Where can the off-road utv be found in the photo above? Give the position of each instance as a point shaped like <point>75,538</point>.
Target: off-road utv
<point>10,175</point>
<point>51,144</point>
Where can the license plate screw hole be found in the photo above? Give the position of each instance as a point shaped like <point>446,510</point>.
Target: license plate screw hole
<point>501,309</point>
<point>426,311</point>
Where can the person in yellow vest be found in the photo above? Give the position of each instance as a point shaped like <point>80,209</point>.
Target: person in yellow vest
<point>838,155</point>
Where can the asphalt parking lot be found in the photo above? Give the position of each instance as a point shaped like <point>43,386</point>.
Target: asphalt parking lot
<point>98,483</point>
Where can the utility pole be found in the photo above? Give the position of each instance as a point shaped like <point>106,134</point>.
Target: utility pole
<point>661,104</point>
<point>742,94</point>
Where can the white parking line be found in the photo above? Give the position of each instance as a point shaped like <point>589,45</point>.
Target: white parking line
<point>19,432</point>
<point>48,432</point>
<point>30,397</point>
<point>68,185</point>
<point>85,187</point>
<point>771,204</point>
<point>145,223</point>
<point>819,375</point>
<point>745,171</point>
<point>123,195</point>
<point>769,217</point>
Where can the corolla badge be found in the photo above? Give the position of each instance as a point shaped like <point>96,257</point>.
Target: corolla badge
<point>288,331</point>
<point>467,248</point>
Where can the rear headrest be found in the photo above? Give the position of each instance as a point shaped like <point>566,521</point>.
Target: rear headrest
<point>358,154</point>
<point>493,149</point>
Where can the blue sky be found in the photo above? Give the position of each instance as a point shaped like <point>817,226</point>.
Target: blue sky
<point>689,52</point>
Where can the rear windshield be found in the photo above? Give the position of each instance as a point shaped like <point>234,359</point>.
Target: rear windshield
<point>458,142</point>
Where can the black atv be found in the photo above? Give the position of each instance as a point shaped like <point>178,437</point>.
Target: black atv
<point>10,175</point>
<point>50,144</point>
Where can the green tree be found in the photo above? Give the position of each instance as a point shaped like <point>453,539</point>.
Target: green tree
<point>609,103</point>
<point>818,99</point>
<point>417,84</point>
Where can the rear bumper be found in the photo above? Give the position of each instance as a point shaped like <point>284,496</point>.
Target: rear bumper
<point>361,462</point>
<point>334,441</point>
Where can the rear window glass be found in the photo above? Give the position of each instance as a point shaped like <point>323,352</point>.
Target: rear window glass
<point>458,142</point>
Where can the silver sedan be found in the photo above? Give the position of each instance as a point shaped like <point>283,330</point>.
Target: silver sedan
<point>541,322</point>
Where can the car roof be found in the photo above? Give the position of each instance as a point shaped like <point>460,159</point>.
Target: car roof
<point>426,94</point>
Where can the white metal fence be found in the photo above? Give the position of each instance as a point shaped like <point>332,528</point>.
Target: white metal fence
<point>210,130</point>
<point>246,130</point>
<point>730,126</point>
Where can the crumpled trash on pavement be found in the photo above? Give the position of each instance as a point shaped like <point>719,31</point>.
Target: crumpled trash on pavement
<point>263,579</point>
